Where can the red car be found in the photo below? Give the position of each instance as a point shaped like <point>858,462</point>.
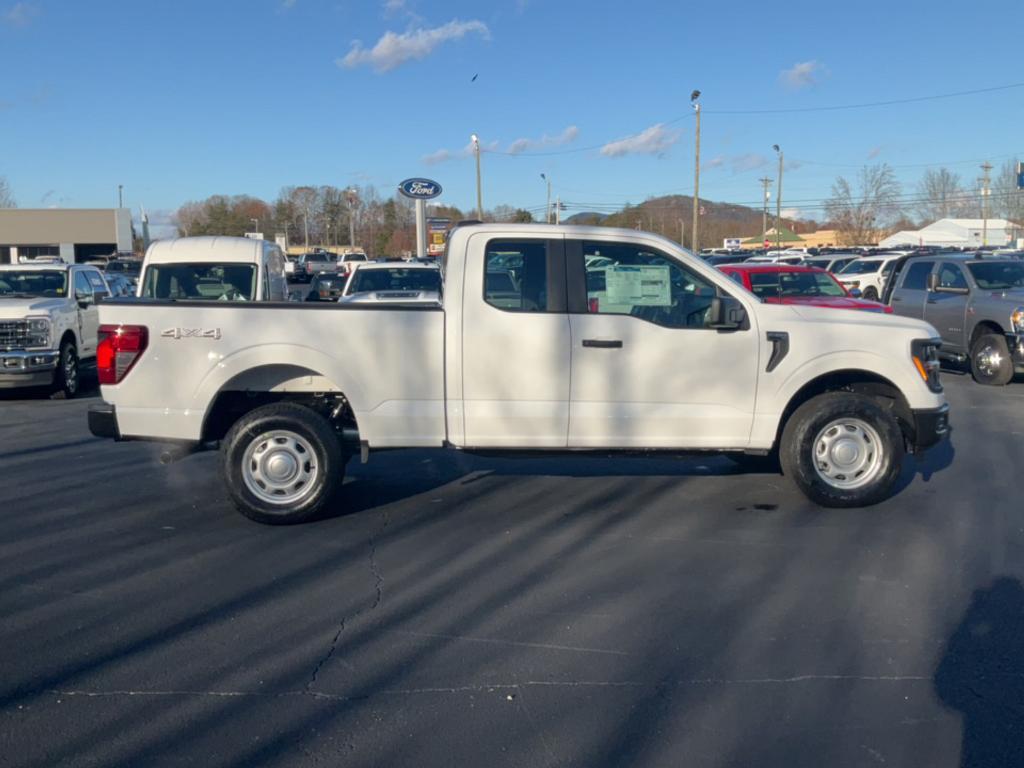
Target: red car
<point>809,286</point>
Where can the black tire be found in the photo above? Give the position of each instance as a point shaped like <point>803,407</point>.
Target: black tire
<point>325,460</point>
<point>870,294</point>
<point>67,379</point>
<point>991,363</point>
<point>797,450</point>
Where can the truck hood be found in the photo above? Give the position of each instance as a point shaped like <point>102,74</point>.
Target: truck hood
<point>835,302</point>
<point>870,321</point>
<point>16,309</point>
<point>1015,295</point>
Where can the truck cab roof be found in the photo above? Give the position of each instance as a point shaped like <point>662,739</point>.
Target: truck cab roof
<point>221,249</point>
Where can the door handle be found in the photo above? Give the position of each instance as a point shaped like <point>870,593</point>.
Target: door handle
<point>932,301</point>
<point>896,298</point>
<point>602,343</point>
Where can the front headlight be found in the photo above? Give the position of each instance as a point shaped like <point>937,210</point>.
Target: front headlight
<point>1017,320</point>
<point>925,355</point>
<point>38,332</point>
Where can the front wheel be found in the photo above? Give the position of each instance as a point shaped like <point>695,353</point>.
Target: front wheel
<point>870,294</point>
<point>66,377</point>
<point>842,450</point>
<point>282,464</point>
<point>991,363</point>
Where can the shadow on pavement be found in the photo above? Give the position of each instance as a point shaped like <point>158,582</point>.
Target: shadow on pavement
<point>981,675</point>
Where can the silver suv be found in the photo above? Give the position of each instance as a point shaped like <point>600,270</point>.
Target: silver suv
<point>977,306</point>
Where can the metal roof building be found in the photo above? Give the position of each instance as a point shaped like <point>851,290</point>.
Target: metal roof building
<point>73,234</point>
<point>957,233</point>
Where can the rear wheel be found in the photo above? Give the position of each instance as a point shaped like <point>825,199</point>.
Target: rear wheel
<point>282,464</point>
<point>991,363</point>
<point>842,450</point>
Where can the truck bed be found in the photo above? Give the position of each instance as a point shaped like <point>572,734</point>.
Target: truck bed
<point>387,360</point>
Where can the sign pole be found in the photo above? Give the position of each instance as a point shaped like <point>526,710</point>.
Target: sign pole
<point>421,228</point>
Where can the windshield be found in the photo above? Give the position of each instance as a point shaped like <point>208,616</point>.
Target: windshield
<point>398,279</point>
<point>50,284</point>
<point>861,267</point>
<point>204,282</point>
<point>998,275</point>
<point>773,284</point>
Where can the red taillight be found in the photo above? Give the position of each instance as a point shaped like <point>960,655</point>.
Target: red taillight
<point>120,346</point>
<point>309,269</point>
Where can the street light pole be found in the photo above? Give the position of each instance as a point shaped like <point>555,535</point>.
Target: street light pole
<point>778,203</point>
<point>120,195</point>
<point>694,234</point>
<point>764,212</point>
<point>256,231</point>
<point>352,217</point>
<point>479,192</point>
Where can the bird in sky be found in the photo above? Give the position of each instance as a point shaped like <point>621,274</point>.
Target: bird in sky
<point>473,80</point>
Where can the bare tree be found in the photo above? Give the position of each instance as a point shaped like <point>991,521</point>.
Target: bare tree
<point>1007,201</point>
<point>859,215</point>
<point>941,195</point>
<point>6,197</point>
<point>189,218</point>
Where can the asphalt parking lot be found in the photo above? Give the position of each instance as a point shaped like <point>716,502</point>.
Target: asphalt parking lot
<point>461,611</point>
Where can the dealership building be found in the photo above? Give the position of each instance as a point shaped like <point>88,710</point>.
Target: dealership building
<point>74,235</point>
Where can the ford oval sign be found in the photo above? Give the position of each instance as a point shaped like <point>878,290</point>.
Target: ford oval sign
<point>420,189</point>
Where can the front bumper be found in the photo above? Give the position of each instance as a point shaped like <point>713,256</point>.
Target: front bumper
<point>1015,341</point>
<point>930,427</point>
<point>103,421</point>
<point>27,369</point>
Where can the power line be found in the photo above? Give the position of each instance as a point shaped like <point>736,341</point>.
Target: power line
<point>777,111</point>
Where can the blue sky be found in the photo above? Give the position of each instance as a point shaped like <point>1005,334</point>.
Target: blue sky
<point>181,100</point>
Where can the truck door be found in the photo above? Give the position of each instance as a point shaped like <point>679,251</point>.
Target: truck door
<point>912,290</point>
<point>948,311</point>
<point>515,343</point>
<point>88,313</point>
<point>646,371</point>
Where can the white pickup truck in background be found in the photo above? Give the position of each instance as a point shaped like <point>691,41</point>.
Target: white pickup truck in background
<point>548,338</point>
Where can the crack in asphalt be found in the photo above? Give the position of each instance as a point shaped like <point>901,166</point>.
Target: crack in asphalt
<point>378,597</point>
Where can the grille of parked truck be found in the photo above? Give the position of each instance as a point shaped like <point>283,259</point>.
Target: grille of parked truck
<point>545,339</point>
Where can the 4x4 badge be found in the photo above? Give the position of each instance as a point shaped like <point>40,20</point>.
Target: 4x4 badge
<point>191,333</point>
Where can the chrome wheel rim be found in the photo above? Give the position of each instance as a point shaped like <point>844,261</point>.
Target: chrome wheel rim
<point>848,454</point>
<point>71,372</point>
<point>280,468</point>
<point>988,361</point>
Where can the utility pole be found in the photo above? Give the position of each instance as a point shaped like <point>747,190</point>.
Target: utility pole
<point>682,230</point>
<point>352,198</point>
<point>694,232</point>
<point>985,191</point>
<point>305,226</point>
<point>558,210</point>
<point>764,212</point>
<point>479,192</point>
<point>778,204</point>
<point>547,208</point>
<point>120,195</point>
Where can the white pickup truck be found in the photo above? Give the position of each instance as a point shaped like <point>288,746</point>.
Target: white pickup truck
<point>645,349</point>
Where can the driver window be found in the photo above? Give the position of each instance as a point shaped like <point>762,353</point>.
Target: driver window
<point>950,276</point>
<point>643,283</point>
<point>82,288</point>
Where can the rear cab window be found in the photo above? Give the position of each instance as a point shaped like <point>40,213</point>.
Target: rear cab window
<point>518,276</point>
<point>200,282</point>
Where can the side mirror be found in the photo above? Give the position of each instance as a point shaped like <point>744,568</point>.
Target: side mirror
<point>85,300</point>
<point>726,314</point>
<point>855,293</point>
<point>933,282</point>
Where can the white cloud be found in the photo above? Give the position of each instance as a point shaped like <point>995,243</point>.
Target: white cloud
<point>748,162</point>
<point>790,213</point>
<point>874,152</point>
<point>20,14</point>
<point>651,141</point>
<point>287,5</point>
<point>803,74</point>
<point>393,50</point>
<point>565,137</point>
<point>392,7</point>
<point>715,162</point>
<point>440,156</point>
